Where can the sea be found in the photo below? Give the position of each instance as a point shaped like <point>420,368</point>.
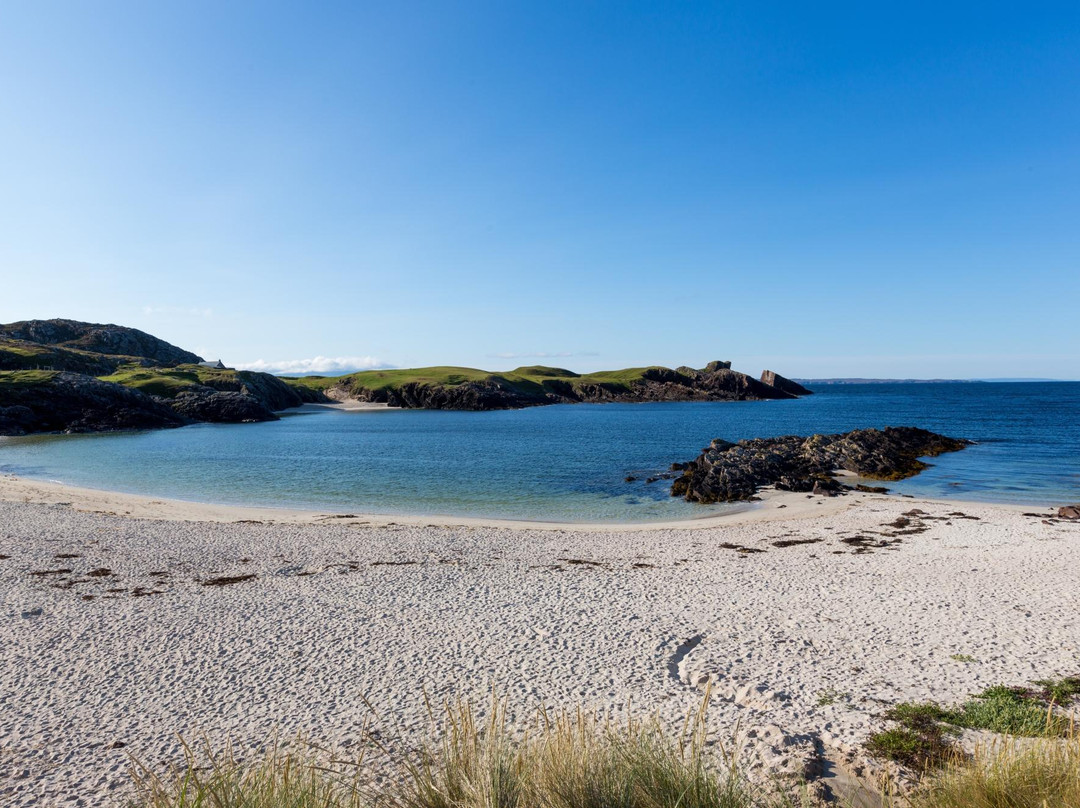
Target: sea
<point>565,462</point>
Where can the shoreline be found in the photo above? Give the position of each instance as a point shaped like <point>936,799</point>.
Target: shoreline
<point>772,506</point>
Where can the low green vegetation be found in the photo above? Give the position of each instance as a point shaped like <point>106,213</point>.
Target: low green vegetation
<point>922,737</point>
<point>26,350</point>
<point>963,658</point>
<point>921,741</point>
<point>827,697</point>
<point>26,378</point>
<point>168,382</point>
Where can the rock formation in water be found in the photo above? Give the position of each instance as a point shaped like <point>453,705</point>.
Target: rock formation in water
<point>774,379</point>
<point>728,472</point>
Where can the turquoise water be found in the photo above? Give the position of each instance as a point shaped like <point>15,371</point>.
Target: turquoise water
<point>565,462</point>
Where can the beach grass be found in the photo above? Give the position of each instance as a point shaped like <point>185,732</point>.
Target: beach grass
<point>1007,774</point>
<point>573,760</point>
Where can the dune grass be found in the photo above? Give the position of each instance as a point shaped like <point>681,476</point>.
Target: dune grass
<point>576,760</point>
<point>1041,774</point>
<point>573,760</point>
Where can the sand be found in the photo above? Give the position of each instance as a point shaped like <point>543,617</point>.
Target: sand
<point>803,645</point>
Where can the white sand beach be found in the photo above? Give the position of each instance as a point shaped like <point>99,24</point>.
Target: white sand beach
<point>807,617</point>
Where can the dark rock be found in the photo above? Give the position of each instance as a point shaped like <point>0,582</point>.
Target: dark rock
<point>726,472</point>
<point>72,402</point>
<point>270,391</point>
<point>1069,512</point>
<point>871,489</point>
<point>220,407</point>
<point>773,379</point>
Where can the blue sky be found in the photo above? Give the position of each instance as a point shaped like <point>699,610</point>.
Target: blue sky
<point>823,189</point>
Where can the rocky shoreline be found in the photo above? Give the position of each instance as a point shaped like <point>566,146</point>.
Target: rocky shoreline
<point>715,382</point>
<point>69,376</point>
<point>730,472</point>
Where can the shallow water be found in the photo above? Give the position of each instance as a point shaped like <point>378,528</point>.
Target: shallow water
<point>565,462</point>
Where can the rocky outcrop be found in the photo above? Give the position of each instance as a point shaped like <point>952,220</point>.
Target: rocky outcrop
<point>774,379</point>
<point>110,340</point>
<point>728,472</point>
<point>270,391</point>
<point>1069,512</point>
<point>71,402</point>
<point>220,407</point>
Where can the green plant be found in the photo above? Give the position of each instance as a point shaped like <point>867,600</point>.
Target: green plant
<point>830,696</point>
<point>963,658</point>
<point>916,749</point>
<point>1008,710</point>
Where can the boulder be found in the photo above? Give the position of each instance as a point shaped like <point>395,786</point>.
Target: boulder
<point>1069,512</point>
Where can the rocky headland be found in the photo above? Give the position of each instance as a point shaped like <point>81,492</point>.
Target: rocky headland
<point>729,472</point>
<point>449,388</point>
<point>70,376</point>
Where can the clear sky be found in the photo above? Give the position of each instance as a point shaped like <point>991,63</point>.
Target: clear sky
<point>825,189</point>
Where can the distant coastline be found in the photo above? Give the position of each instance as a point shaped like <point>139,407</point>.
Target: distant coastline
<point>857,380</point>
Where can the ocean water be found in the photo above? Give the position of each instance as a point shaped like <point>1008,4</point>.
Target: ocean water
<point>564,462</point>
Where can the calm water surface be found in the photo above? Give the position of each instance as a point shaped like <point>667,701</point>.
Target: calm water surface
<point>565,462</point>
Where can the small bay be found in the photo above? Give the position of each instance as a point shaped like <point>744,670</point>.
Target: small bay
<point>564,462</point>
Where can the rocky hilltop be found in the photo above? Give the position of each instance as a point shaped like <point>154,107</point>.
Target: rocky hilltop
<point>84,347</point>
<point>69,376</point>
<point>728,472</point>
<point>451,388</point>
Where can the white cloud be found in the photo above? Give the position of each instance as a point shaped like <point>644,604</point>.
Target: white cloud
<point>542,355</point>
<point>318,364</point>
<point>205,314</point>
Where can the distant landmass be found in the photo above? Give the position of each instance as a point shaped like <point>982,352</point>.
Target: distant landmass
<point>886,381</point>
<point>818,382</point>
<point>70,376</point>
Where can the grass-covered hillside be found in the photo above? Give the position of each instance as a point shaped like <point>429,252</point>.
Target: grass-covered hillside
<point>533,379</point>
<point>447,387</point>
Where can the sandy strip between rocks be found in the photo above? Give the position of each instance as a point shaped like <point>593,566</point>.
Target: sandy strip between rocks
<point>843,611</point>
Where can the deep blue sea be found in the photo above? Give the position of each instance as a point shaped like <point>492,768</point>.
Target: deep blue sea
<point>565,462</point>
